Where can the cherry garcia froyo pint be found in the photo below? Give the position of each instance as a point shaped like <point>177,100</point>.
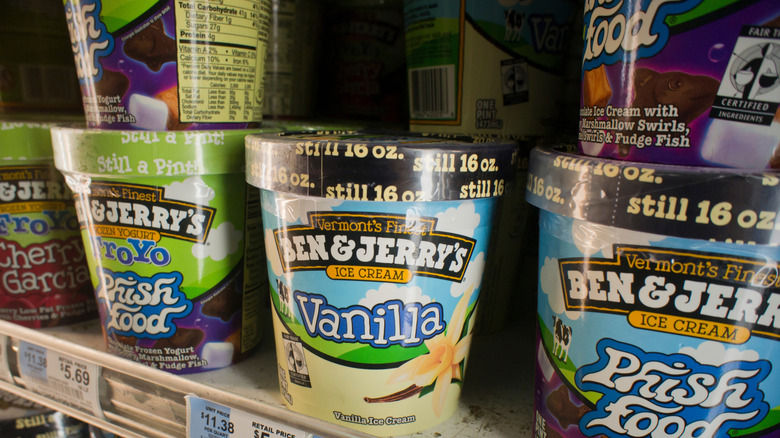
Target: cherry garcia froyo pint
<point>44,279</point>
<point>164,220</point>
<point>376,245</point>
<point>659,299</point>
<point>691,82</point>
<point>170,65</point>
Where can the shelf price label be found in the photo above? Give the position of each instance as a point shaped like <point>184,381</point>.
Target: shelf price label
<point>5,369</point>
<point>207,419</point>
<point>60,377</point>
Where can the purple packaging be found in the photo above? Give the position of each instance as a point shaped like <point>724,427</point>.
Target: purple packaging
<point>174,254</point>
<point>658,299</point>
<point>691,82</point>
<point>170,65</point>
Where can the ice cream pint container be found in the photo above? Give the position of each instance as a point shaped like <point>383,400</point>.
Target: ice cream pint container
<point>321,126</point>
<point>44,279</point>
<point>361,72</point>
<point>682,82</point>
<point>659,299</point>
<point>175,264</point>
<point>294,43</point>
<point>509,247</point>
<point>486,67</point>
<point>22,418</point>
<point>376,245</point>
<point>170,65</point>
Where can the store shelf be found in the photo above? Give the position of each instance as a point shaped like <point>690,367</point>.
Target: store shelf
<point>138,401</point>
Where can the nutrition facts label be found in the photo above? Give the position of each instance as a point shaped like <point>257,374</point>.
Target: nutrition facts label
<point>255,281</point>
<point>221,50</point>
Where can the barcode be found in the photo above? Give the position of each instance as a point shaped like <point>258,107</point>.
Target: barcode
<point>432,92</point>
<point>59,388</point>
<point>49,83</point>
<point>64,390</point>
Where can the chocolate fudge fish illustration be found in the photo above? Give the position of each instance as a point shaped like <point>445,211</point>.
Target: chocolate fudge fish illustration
<point>152,46</point>
<point>668,101</point>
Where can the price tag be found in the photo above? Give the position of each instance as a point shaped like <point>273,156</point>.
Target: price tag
<point>5,369</point>
<point>60,377</point>
<point>32,361</point>
<point>207,419</point>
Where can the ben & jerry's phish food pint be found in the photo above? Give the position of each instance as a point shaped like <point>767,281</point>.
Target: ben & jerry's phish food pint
<point>171,255</point>
<point>376,246</point>
<point>690,82</point>
<point>44,278</point>
<point>170,65</point>
<point>659,299</point>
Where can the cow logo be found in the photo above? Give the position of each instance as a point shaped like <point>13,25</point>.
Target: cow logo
<point>562,335</point>
<point>514,25</point>
<point>285,299</point>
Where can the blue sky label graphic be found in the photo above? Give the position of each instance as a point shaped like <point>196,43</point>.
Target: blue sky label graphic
<point>385,324</point>
<point>617,30</point>
<point>655,394</point>
<point>143,307</point>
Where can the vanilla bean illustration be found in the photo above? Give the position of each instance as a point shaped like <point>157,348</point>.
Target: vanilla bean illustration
<point>400,395</point>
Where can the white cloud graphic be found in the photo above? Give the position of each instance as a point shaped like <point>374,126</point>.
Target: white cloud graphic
<point>472,278</point>
<point>387,291</point>
<point>591,238</point>
<point>192,189</point>
<point>716,354</point>
<point>293,208</point>
<point>272,253</point>
<point>222,241</point>
<point>266,202</point>
<point>462,220</point>
<point>544,363</point>
<point>550,279</point>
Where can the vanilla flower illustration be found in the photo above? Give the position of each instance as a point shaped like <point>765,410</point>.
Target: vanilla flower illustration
<point>438,367</point>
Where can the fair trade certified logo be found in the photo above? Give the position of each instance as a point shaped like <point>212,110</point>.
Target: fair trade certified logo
<point>659,395</point>
<point>143,307</point>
